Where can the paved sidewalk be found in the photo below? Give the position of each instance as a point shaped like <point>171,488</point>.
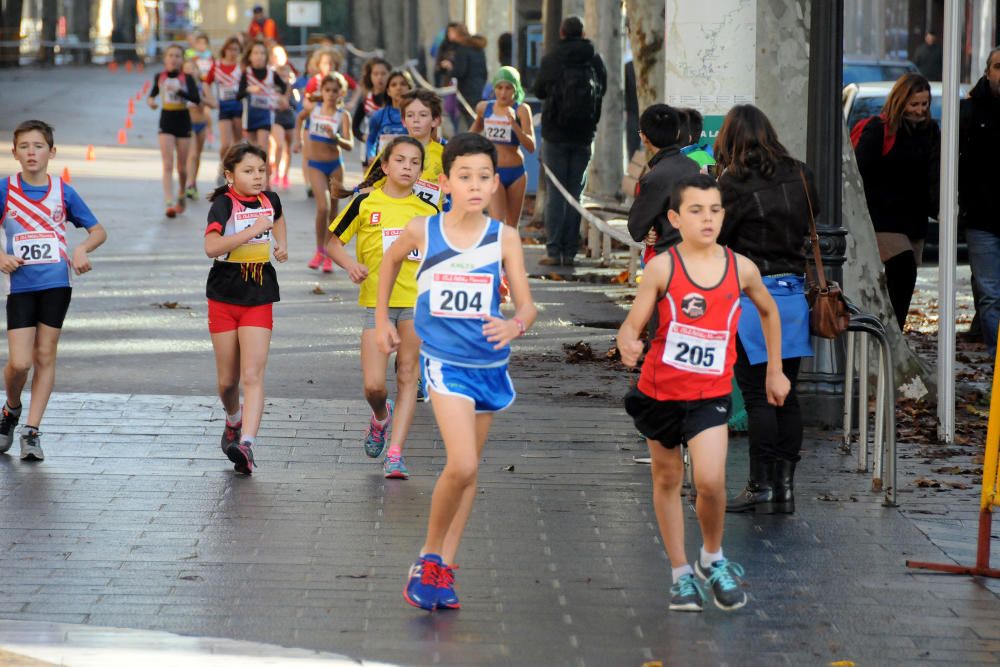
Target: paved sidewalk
<point>135,520</point>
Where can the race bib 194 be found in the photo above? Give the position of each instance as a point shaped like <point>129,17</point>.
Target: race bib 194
<point>246,219</point>
<point>36,247</point>
<point>695,350</point>
<point>462,295</point>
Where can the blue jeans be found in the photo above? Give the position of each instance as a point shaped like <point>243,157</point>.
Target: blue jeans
<point>568,163</point>
<point>984,248</point>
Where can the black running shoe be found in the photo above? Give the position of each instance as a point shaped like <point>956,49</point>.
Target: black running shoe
<point>242,456</point>
<point>231,436</point>
<point>686,594</point>
<point>724,579</point>
<point>7,423</point>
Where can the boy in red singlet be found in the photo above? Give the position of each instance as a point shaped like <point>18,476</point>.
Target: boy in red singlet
<point>683,390</point>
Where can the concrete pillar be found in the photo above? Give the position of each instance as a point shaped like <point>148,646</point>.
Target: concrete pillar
<point>604,24</point>
<point>432,17</point>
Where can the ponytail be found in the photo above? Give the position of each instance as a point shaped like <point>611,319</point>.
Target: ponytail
<point>233,157</point>
<point>376,173</point>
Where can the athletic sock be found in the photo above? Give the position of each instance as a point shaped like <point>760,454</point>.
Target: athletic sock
<point>30,430</point>
<point>708,558</point>
<point>13,410</point>
<point>248,439</point>
<point>235,418</point>
<point>395,450</point>
<point>679,572</point>
<point>381,422</point>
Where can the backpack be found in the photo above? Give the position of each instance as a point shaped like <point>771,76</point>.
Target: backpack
<point>888,141</point>
<point>577,97</point>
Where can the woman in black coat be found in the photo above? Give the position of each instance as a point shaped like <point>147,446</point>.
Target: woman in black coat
<point>766,195</point>
<point>467,66</point>
<point>899,157</point>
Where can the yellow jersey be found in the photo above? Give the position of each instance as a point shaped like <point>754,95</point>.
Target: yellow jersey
<point>377,220</point>
<point>427,186</point>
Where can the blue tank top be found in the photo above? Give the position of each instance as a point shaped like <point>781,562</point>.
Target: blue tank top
<point>498,128</point>
<point>455,290</point>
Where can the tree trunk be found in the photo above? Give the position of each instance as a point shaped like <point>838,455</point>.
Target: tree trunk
<point>10,31</point>
<point>81,28</point>
<point>390,23</point>
<point>365,19</point>
<point>47,54</point>
<point>646,19</point>
<point>864,279</point>
<point>124,18</point>
<point>551,18</point>
<point>604,19</point>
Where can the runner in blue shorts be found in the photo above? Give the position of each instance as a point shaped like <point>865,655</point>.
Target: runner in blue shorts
<point>465,342</point>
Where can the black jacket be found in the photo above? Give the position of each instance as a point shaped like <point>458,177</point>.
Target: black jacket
<point>767,219</point>
<point>978,152</point>
<point>573,50</point>
<point>901,187</point>
<point>469,69</point>
<point>652,197</point>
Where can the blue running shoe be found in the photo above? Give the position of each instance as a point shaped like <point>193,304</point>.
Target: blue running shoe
<point>394,467</point>
<point>725,580</point>
<point>425,577</point>
<point>686,594</point>
<point>447,598</point>
<point>421,393</point>
<point>375,438</point>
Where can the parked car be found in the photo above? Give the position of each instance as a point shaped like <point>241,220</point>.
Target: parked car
<point>862,100</point>
<point>861,69</point>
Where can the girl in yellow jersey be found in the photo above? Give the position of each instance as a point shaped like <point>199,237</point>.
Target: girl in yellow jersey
<point>245,226</point>
<point>377,218</point>
<point>421,112</point>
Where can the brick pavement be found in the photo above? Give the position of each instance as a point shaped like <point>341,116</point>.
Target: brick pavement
<point>136,521</point>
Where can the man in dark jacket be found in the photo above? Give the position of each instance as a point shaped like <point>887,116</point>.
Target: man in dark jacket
<point>978,148</point>
<point>658,127</point>
<point>571,83</point>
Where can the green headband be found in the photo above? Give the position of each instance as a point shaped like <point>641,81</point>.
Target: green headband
<point>508,74</point>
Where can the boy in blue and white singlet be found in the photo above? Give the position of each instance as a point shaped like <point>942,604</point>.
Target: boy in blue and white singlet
<point>37,264</point>
<point>466,342</point>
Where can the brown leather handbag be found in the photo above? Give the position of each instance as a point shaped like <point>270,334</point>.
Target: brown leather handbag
<point>828,314</point>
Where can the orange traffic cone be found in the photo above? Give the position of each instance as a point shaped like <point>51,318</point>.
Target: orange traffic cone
<point>122,137</point>
<point>128,122</point>
<point>131,106</point>
<point>128,65</point>
<point>65,175</point>
<point>91,156</point>
<point>138,95</point>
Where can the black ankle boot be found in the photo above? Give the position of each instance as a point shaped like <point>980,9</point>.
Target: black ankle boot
<point>784,486</point>
<point>758,496</point>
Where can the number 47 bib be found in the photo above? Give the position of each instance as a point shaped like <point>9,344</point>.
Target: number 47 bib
<point>696,350</point>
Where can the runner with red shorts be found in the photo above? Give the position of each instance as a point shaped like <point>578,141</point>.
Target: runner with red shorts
<point>245,225</point>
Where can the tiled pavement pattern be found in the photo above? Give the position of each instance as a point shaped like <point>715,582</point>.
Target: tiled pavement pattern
<point>135,520</point>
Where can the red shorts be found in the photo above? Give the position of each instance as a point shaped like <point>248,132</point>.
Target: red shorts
<point>223,317</point>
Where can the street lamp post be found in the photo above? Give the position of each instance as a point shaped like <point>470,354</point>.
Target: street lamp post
<point>821,380</point>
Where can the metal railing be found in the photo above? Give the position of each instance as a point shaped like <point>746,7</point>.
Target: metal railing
<point>862,327</point>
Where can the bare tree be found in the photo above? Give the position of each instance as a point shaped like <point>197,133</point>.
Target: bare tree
<point>604,26</point>
<point>47,52</point>
<point>646,19</point>
<point>81,28</point>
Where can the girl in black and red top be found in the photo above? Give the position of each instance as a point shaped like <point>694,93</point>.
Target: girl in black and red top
<point>374,77</point>
<point>177,89</point>
<point>245,226</point>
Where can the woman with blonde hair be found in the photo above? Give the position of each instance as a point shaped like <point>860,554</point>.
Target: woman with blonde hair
<point>899,157</point>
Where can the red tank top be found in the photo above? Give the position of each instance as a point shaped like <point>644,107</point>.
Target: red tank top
<point>691,356</point>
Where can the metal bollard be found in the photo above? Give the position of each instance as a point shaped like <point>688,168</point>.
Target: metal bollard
<point>848,394</point>
<point>863,404</point>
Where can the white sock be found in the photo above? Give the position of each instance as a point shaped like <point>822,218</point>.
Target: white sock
<point>708,558</point>
<point>381,422</point>
<point>679,572</point>
<point>236,417</point>
<point>248,439</point>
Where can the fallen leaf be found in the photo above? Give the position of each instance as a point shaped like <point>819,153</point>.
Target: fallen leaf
<point>171,305</point>
<point>318,290</point>
<point>621,278</point>
<point>927,483</point>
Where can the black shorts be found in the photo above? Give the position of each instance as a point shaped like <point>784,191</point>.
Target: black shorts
<point>177,123</point>
<point>29,309</point>
<point>285,118</point>
<point>672,423</point>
